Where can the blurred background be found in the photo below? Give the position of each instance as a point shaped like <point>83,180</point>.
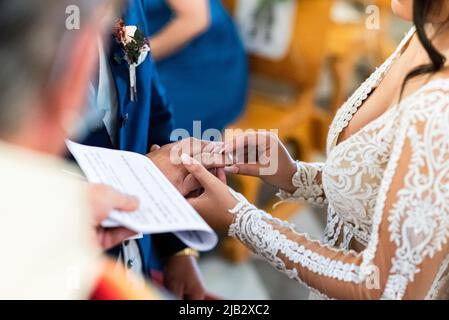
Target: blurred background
<point>305,57</point>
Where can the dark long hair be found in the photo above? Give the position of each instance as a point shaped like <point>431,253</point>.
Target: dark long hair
<point>421,11</point>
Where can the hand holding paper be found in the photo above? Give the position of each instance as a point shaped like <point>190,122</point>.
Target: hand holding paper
<point>162,207</point>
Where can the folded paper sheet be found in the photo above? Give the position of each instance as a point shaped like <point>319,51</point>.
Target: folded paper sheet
<point>162,208</point>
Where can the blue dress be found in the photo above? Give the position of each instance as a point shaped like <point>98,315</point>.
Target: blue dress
<point>206,80</point>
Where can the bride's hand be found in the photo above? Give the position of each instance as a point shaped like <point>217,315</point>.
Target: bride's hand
<point>216,200</point>
<point>261,155</point>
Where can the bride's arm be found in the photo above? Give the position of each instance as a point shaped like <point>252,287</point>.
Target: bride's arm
<point>408,247</point>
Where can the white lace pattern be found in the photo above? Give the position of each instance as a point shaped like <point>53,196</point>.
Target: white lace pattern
<point>387,190</point>
<point>306,180</point>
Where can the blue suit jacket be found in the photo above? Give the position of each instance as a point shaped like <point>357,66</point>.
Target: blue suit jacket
<point>141,124</point>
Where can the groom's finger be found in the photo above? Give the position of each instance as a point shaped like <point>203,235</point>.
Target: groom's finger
<point>221,174</point>
<point>191,146</point>
<point>244,169</point>
<point>190,184</point>
<point>212,160</point>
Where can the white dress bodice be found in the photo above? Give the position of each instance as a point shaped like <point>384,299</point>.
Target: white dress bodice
<point>352,174</point>
<point>351,179</point>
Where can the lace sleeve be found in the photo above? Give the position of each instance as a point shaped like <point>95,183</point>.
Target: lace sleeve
<point>408,253</point>
<point>307,180</point>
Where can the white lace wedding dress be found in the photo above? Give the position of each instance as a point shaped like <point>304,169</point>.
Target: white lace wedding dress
<point>387,192</point>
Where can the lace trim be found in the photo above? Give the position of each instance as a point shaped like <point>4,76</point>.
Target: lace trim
<point>308,189</point>
<point>350,107</point>
<point>439,281</point>
<point>361,236</point>
<point>333,227</point>
<point>252,227</point>
<point>347,237</point>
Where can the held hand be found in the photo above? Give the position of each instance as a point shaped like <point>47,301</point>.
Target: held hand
<point>216,200</point>
<point>168,160</point>
<point>261,155</point>
<point>175,173</point>
<point>103,200</point>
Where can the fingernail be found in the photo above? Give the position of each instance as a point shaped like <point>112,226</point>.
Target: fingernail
<point>186,159</point>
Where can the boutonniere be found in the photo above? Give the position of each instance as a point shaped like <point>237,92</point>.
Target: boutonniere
<point>135,48</point>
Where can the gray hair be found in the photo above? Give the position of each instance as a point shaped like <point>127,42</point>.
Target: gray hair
<point>31,33</point>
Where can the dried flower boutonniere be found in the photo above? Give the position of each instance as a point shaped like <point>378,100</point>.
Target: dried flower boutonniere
<point>135,47</point>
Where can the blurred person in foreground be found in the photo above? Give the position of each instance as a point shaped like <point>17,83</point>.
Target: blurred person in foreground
<point>49,221</point>
<point>200,59</point>
<point>140,120</point>
<point>384,183</point>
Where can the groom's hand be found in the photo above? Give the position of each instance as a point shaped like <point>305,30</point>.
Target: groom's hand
<point>216,200</point>
<point>164,159</point>
<point>168,160</point>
